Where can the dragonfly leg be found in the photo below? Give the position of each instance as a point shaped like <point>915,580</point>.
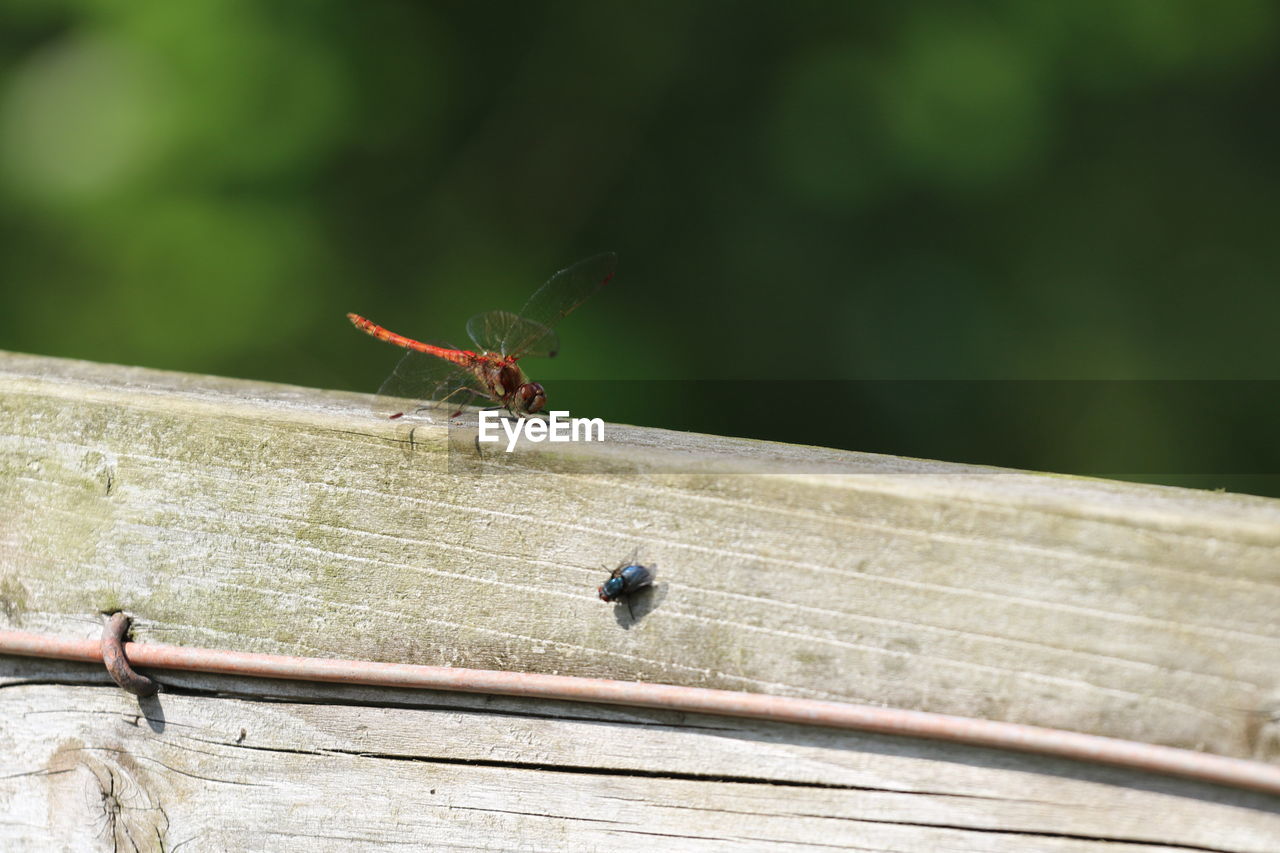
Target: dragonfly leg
<point>469,394</point>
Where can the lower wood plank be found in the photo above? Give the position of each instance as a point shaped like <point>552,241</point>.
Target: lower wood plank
<point>218,763</point>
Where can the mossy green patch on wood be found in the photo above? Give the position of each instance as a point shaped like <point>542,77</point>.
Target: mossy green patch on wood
<point>13,598</point>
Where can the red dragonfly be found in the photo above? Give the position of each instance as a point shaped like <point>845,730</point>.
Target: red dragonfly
<point>449,378</point>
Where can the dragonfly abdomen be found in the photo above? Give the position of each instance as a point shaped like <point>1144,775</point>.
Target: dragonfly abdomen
<point>383,334</point>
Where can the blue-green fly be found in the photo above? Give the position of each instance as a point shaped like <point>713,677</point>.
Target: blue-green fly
<point>627,578</point>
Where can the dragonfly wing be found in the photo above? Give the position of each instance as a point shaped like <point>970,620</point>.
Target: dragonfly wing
<point>425,384</point>
<point>497,331</point>
<point>554,301</point>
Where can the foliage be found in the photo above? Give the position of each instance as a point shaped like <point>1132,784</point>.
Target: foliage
<point>882,191</point>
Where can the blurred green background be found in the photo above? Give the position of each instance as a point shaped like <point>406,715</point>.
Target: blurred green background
<point>1075,190</point>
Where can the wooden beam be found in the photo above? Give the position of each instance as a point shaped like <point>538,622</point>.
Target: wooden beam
<point>271,518</point>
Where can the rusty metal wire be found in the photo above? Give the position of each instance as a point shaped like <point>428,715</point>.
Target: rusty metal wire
<point>113,635</point>
<point>1234,772</point>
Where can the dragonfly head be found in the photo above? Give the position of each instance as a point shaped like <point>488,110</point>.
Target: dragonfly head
<point>530,398</point>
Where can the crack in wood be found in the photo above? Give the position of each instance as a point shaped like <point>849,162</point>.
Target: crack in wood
<point>1023,833</point>
<point>137,757</point>
<point>543,767</point>
<point>38,773</point>
<point>533,814</point>
<point>477,710</point>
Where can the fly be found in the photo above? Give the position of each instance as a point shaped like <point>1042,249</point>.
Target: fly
<point>629,577</point>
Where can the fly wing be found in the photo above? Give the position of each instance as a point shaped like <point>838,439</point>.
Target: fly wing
<point>554,301</point>
<point>425,384</point>
<point>492,330</point>
<point>637,577</point>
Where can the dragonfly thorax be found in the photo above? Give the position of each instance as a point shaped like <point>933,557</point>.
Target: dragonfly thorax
<point>507,382</point>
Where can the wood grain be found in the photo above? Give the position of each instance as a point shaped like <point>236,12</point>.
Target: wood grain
<point>266,518</point>
<point>269,518</point>
<point>221,764</point>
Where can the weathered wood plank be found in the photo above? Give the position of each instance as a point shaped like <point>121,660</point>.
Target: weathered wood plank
<point>218,763</point>
<point>268,518</point>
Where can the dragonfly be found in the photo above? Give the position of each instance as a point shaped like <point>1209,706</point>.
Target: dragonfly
<point>446,378</point>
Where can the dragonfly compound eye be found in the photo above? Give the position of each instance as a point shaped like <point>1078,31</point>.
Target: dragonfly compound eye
<point>532,397</point>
